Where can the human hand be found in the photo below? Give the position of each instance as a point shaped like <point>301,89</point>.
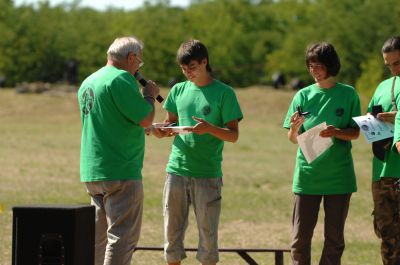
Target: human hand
<point>387,116</point>
<point>201,127</point>
<point>162,132</point>
<point>151,90</point>
<point>398,147</point>
<point>148,130</point>
<point>330,131</point>
<point>296,121</point>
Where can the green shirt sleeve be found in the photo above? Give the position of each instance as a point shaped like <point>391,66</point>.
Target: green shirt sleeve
<point>169,103</point>
<point>292,109</point>
<point>230,107</point>
<point>355,110</point>
<point>396,136</point>
<point>128,99</point>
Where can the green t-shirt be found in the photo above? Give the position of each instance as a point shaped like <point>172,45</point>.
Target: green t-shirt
<point>111,108</point>
<point>383,96</point>
<point>195,155</point>
<point>333,171</point>
<point>396,137</point>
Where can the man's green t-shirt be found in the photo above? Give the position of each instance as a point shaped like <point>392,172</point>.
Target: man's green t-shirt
<point>383,96</point>
<point>192,154</point>
<point>333,171</point>
<point>111,108</point>
<point>396,137</point>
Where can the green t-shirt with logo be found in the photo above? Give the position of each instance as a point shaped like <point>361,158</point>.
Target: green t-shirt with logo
<point>111,108</point>
<point>195,155</point>
<point>383,96</point>
<point>333,171</point>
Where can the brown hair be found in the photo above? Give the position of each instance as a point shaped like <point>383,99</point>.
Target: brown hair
<point>192,50</point>
<point>325,54</point>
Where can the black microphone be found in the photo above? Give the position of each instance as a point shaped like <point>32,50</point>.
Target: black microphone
<point>143,82</point>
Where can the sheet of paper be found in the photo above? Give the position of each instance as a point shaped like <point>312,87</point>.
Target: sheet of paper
<point>311,144</point>
<point>177,129</point>
<point>374,129</point>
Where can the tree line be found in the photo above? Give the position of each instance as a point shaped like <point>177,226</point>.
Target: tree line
<point>248,40</point>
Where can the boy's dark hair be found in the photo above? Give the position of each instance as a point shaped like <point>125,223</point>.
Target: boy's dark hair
<point>325,54</point>
<point>391,45</point>
<point>192,50</point>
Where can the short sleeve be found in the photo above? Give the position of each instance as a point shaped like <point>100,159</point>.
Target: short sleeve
<point>396,136</point>
<point>230,108</point>
<point>355,110</point>
<point>296,101</point>
<point>170,102</point>
<point>128,99</point>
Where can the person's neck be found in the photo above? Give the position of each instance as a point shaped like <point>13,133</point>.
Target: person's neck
<point>204,81</point>
<point>116,64</point>
<point>327,83</point>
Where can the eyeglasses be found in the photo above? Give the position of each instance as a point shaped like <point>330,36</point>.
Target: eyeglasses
<point>140,59</point>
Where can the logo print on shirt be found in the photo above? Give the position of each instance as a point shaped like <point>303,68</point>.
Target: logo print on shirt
<point>87,100</point>
<point>206,110</point>
<point>339,112</point>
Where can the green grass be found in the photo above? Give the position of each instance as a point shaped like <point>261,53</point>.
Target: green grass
<point>39,164</point>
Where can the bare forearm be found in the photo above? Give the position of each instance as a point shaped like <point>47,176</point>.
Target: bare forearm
<point>347,134</point>
<point>147,122</point>
<point>224,134</point>
<point>292,135</point>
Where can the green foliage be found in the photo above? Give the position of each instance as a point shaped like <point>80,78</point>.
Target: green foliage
<point>6,13</point>
<point>248,40</point>
<point>355,27</point>
<point>372,73</point>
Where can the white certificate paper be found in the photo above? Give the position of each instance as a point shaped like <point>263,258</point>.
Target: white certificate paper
<point>178,129</point>
<point>374,129</point>
<point>311,144</point>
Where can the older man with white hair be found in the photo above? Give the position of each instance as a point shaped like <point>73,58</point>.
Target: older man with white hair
<point>114,113</point>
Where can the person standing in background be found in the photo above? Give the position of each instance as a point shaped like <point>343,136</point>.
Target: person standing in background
<point>386,161</point>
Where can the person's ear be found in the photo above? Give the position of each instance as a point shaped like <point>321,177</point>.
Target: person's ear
<point>131,58</point>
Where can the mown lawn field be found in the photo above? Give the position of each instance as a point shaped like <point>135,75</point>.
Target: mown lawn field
<point>39,164</point>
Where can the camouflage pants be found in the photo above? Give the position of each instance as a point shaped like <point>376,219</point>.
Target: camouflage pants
<point>386,198</point>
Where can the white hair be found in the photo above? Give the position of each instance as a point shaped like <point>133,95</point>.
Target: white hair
<point>121,47</point>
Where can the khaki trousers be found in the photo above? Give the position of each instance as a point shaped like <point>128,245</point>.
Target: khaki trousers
<point>205,196</point>
<point>119,207</point>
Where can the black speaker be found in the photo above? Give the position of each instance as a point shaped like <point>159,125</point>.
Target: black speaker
<point>53,235</point>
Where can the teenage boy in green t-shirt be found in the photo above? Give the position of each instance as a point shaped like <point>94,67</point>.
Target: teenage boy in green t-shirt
<point>194,174</point>
<point>114,113</point>
<point>386,172</point>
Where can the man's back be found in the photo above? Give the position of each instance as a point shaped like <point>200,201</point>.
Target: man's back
<point>111,108</point>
